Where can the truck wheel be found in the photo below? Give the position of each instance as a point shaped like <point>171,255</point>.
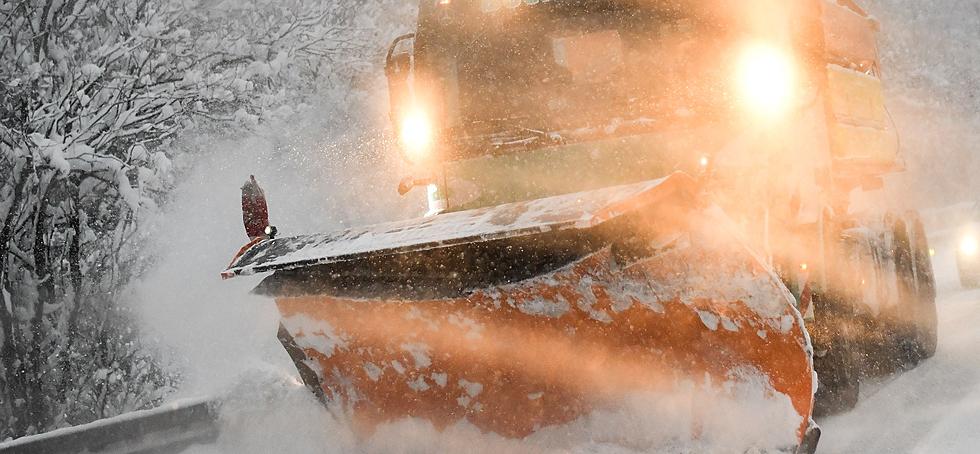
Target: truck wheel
<point>915,324</point>
<point>839,378</point>
<point>926,319</point>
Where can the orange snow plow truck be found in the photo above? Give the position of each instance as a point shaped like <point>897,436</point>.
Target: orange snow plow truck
<point>629,201</point>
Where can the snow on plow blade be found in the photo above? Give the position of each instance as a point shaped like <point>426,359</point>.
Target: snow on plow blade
<point>525,316</point>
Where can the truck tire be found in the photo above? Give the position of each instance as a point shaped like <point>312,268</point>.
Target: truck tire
<point>926,319</point>
<point>915,323</point>
<point>839,375</point>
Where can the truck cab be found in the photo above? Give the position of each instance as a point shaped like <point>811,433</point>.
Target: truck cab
<point>500,101</point>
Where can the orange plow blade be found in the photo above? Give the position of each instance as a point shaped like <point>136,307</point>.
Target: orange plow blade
<point>647,293</point>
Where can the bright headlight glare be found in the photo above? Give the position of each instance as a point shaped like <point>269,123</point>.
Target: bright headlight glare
<point>416,134</point>
<point>766,79</point>
<point>969,245</point>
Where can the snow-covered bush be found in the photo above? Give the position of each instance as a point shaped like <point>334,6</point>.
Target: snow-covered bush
<point>94,97</point>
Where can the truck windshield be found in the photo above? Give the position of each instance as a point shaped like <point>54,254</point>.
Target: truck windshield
<point>575,65</point>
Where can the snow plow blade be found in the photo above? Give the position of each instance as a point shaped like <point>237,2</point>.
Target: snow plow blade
<point>531,315</point>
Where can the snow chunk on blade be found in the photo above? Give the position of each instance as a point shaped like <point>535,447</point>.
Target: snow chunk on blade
<point>582,210</point>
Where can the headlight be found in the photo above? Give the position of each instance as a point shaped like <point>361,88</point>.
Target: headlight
<point>969,245</point>
<point>766,79</point>
<point>416,134</point>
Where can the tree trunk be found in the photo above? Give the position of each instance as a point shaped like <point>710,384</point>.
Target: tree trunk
<point>9,351</point>
<point>38,406</point>
<point>75,276</point>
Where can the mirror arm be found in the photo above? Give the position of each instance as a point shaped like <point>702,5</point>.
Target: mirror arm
<point>389,57</point>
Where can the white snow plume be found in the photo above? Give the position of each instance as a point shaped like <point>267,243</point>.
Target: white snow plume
<point>221,338</point>
<point>216,328</point>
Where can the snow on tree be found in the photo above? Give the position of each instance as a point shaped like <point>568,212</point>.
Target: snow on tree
<point>94,95</point>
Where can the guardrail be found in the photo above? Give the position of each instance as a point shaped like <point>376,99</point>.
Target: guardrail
<point>170,428</point>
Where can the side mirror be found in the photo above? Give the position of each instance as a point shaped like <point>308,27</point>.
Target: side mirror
<point>399,66</point>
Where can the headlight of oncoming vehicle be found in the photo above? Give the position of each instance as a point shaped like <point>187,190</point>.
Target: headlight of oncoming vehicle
<point>766,79</point>
<point>417,134</point>
<point>969,245</point>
